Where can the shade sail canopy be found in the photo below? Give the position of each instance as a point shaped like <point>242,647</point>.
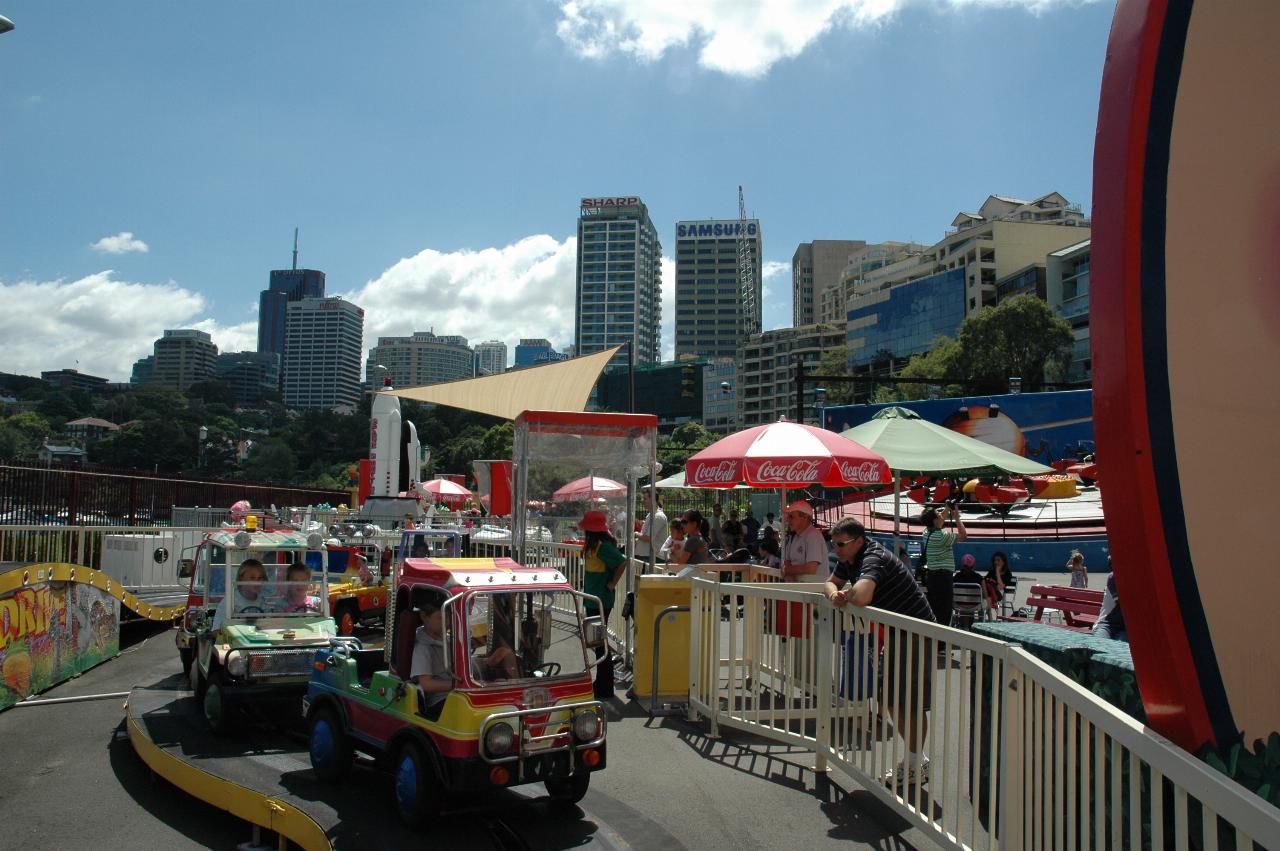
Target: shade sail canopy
<point>786,455</point>
<point>562,386</point>
<point>588,488</point>
<point>913,445</point>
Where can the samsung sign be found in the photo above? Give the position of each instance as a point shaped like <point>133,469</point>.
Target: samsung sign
<point>690,230</point>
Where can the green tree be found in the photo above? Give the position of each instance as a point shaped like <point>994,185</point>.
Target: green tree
<point>271,461</point>
<point>836,362</point>
<point>685,440</point>
<point>942,360</point>
<point>497,443</point>
<point>1020,336</point>
<point>213,392</point>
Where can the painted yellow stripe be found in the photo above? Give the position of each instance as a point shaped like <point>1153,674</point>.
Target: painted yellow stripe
<point>20,577</point>
<point>244,803</point>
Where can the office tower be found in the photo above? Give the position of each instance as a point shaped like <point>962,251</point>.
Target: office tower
<point>423,358</point>
<point>250,375</point>
<point>619,279</point>
<point>183,357</point>
<point>815,266</point>
<point>286,286</point>
<point>491,357</point>
<point>323,340</point>
<point>712,319</point>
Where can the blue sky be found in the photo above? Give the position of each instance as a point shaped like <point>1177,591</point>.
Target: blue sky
<point>433,154</point>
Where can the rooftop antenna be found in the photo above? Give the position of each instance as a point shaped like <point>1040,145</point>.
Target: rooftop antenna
<point>295,249</point>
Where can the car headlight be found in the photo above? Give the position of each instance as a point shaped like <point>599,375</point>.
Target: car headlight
<point>586,726</point>
<point>236,664</point>
<point>499,739</point>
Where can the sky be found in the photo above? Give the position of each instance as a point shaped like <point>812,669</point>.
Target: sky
<point>156,157</point>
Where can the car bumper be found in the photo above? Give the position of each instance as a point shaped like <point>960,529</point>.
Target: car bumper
<point>466,775</point>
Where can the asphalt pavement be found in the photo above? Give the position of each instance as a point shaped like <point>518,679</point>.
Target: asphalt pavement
<point>72,780</point>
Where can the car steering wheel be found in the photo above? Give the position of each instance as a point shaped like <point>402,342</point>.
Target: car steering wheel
<point>252,610</point>
<point>549,669</point>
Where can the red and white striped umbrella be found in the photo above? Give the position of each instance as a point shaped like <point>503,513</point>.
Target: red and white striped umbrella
<point>588,488</point>
<point>447,491</point>
<point>786,455</point>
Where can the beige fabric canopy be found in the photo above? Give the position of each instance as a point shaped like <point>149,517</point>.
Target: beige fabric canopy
<point>561,386</point>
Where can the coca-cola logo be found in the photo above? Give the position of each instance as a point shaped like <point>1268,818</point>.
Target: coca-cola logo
<point>723,473</point>
<point>802,470</point>
<point>866,473</point>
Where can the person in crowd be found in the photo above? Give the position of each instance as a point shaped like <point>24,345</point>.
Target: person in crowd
<point>674,542</point>
<point>867,574</point>
<point>751,530</point>
<point>603,567</point>
<point>998,578</point>
<point>770,548</point>
<point>714,530</point>
<point>732,535</point>
<point>244,599</point>
<point>653,532</point>
<point>968,575</point>
<point>297,592</point>
<point>695,549</point>
<point>940,557</point>
<point>1079,573</point>
<point>804,551</point>
<point>428,668</point>
<point>1110,623</point>
<point>771,521</point>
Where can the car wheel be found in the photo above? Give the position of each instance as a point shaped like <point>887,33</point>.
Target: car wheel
<point>418,792</point>
<point>568,790</point>
<point>186,655</point>
<point>347,617</point>
<point>216,709</point>
<point>330,746</point>
<point>196,680</point>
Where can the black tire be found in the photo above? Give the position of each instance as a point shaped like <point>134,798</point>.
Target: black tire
<point>196,680</point>
<point>217,709</point>
<point>418,792</point>
<point>186,655</point>
<point>347,617</point>
<point>568,790</point>
<point>329,746</point>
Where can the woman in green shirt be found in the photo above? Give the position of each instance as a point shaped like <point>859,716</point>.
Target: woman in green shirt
<point>603,566</point>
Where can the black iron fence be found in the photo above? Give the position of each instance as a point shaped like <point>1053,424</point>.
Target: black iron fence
<point>33,493</point>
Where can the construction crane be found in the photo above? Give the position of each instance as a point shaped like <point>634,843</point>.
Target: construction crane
<point>746,275</point>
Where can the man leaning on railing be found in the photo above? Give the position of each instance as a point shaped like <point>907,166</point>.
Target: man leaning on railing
<point>878,577</point>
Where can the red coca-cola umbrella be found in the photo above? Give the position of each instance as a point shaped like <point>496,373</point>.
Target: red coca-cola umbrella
<point>589,488</point>
<point>786,455</point>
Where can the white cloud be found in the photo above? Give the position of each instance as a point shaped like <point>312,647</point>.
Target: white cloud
<point>121,243</point>
<point>103,323</point>
<point>230,338</point>
<point>739,37</point>
<point>521,290</point>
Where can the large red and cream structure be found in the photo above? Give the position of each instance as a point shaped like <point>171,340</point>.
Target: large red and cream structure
<point>1186,343</point>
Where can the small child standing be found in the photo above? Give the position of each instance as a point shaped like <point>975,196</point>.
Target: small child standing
<point>1079,573</point>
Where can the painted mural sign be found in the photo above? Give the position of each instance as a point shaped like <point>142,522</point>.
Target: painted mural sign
<point>52,631</point>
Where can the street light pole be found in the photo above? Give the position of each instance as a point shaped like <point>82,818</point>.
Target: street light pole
<point>202,436</point>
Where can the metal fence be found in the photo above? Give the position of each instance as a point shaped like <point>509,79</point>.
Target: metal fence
<point>84,545</point>
<point>33,493</point>
<point>1021,757</point>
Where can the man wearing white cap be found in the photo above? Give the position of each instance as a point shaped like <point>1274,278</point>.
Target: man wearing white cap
<point>804,553</point>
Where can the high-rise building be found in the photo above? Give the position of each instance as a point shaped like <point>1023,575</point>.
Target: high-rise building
<point>491,357</point>
<point>720,399</point>
<point>286,286</point>
<point>183,357</point>
<point>423,358</point>
<point>1067,291</point>
<point>529,349</point>
<point>142,370</point>
<point>671,391</point>
<point>323,339</point>
<point>833,304</point>
<point>767,378</point>
<point>251,375</point>
<point>619,279</point>
<point>74,379</point>
<point>711,320</point>
<point>815,267</point>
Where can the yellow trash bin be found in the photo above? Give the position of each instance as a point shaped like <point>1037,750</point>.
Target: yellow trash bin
<point>653,594</point>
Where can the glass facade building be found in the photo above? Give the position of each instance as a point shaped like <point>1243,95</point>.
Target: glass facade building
<point>671,391</point>
<point>904,320</point>
<point>287,286</point>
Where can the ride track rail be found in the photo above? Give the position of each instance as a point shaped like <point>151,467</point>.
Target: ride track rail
<point>24,576</point>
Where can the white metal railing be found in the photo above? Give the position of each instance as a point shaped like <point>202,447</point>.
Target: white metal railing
<point>83,545</point>
<point>1020,756</point>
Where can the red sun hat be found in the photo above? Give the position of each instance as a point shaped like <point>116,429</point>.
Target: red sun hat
<point>594,521</point>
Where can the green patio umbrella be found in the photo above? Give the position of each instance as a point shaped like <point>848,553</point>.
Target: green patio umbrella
<point>913,446</point>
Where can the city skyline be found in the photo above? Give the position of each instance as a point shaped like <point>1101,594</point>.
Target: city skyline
<point>174,216</point>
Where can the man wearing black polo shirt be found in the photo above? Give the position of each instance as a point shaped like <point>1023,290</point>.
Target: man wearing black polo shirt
<point>871,575</point>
